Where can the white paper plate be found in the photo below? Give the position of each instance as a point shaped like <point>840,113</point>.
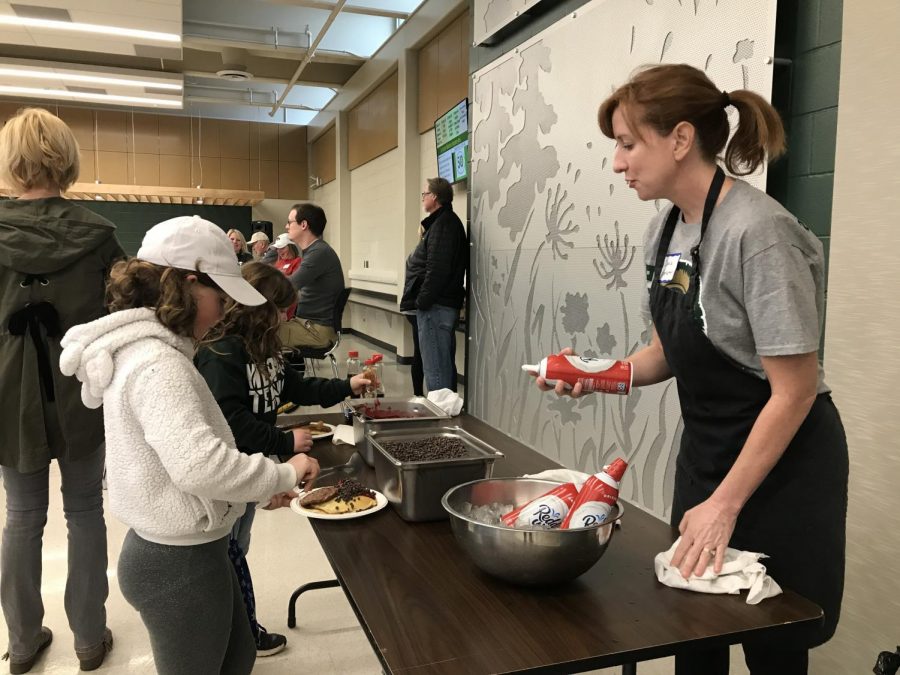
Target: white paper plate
<point>317,436</point>
<point>380,502</point>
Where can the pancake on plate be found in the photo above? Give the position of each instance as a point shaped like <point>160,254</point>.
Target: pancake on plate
<point>349,496</point>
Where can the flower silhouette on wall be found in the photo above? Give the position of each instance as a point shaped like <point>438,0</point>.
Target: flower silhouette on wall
<point>575,313</point>
<point>555,214</point>
<point>606,341</point>
<point>565,407</point>
<point>617,258</point>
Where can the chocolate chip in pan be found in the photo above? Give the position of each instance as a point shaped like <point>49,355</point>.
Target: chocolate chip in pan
<point>318,496</point>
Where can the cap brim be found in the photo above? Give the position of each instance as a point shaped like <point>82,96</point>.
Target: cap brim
<point>238,289</point>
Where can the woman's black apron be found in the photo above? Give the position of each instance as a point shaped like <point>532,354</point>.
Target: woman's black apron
<point>797,515</point>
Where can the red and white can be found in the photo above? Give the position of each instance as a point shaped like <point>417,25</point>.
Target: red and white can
<point>606,376</point>
<point>597,497</point>
<point>547,511</point>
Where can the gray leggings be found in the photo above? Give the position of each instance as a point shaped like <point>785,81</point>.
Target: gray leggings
<point>191,604</point>
<point>27,500</point>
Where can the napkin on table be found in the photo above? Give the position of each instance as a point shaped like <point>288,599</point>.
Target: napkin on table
<point>741,570</point>
<point>343,435</point>
<point>447,400</point>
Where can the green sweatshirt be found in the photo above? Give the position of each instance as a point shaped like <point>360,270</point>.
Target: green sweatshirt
<point>250,396</point>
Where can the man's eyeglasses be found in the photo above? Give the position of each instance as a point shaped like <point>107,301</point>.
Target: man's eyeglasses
<point>292,222</point>
<point>426,193</point>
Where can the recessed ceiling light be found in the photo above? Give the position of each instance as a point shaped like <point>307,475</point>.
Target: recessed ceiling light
<point>92,79</point>
<point>87,96</point>
<point>74,26</point>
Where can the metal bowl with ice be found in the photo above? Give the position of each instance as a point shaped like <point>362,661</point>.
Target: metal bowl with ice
<point>528,557</point>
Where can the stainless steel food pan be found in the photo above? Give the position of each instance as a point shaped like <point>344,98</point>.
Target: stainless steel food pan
<point>415,489</point>
<point>421,409</point>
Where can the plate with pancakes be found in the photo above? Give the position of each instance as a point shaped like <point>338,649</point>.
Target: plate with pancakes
<point>318,430</point>
<point>348,499</point>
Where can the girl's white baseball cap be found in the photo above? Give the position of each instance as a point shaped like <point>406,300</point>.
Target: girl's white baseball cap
<point>192,243</point>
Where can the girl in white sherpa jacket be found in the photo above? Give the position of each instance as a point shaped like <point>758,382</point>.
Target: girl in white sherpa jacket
<point>175,475</point>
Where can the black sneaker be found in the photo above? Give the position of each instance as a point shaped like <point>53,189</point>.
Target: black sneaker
<point>268,644</point>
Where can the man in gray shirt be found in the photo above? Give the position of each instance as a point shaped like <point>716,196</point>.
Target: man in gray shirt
<point>319,280</point>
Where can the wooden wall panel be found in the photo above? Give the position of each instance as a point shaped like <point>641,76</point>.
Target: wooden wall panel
<point>175,170</point>
<point>150,149</point>
<point>264,141</point>
<point>235,174</point>
<point>86,168</point>
<point>234,139</point>
<point>174,135</point>
<point>112,167</point>
<point>206,171</point>
<point>81,122</point>
<point>143,134</point>
<point>324,156</point>
<point>444,72</point>
<point>206,138</point>
<point>372,128</point>
<point>291,143</point>
<point>143,169</point>
<point>264,176</point>
<point>293,181</point>
<point>111,131</point>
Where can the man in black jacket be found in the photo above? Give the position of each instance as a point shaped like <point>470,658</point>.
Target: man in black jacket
<point>435,284</point>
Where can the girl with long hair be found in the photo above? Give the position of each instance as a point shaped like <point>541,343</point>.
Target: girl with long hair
<point>240,359</point>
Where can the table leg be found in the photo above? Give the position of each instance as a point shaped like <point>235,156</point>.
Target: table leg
<point>311,586</point>
<point>629,669</point>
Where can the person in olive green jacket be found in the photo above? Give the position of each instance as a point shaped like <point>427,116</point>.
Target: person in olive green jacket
<point>54,260</point>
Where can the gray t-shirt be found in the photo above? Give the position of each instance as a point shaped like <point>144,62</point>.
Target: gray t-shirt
<point>320,280</point>
<point>762,287</point>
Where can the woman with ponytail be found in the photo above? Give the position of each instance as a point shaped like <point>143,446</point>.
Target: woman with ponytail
<point>736,298</point>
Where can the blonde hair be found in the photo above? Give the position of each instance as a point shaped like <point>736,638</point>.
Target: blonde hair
<point>239,235</point>
<point>662,96</point>
<point>37,150</point>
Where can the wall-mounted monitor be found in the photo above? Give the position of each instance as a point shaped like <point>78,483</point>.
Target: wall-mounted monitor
<point>451,135</point>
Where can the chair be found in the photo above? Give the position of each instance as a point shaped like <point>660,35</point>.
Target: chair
<point>313,354</point>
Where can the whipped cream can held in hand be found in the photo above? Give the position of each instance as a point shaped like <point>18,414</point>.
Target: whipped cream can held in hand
<point>596,498</point>
<point>546,511</point>
<point>606,376</point>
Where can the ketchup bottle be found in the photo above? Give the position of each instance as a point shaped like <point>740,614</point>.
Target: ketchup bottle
<point>606,376</point>
<point>596,498</point>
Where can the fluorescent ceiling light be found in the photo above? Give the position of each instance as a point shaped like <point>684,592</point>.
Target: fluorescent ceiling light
<point>92,79</point>
<point>116,31</point>
<point>87,96</point>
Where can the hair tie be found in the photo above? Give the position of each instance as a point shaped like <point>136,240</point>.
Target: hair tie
<point>726,99</point>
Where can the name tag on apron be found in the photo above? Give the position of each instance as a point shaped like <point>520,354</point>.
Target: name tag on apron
<point>667,273</point>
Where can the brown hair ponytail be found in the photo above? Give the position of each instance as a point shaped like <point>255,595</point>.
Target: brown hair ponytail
<point>662,96</point>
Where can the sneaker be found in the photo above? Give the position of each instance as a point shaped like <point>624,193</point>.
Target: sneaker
<point>268,644</point>
<point>92,658</point>
<point>18,666</point>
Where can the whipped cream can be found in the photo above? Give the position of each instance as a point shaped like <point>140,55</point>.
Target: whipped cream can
<point>547,511</point>
<point>597,498</point>
<point>606,376</point>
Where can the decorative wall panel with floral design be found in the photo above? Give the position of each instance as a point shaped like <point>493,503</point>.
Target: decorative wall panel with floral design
<point>557,257</point>
<point>491,16</point>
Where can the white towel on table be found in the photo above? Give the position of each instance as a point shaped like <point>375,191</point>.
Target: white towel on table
<point>741,571</point>
<point>447,400</point>
<point>343,434</point>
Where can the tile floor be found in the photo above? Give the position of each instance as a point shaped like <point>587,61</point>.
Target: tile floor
<point>284,554</point>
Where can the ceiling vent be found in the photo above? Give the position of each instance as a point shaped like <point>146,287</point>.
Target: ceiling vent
<point>234,66</point>
<point>234,74</point>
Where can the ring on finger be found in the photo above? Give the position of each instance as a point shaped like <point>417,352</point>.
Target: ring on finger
<point>709,551</point>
